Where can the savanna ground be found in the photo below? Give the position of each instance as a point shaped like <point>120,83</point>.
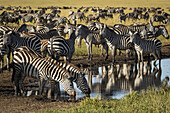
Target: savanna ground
<point>10,103</point>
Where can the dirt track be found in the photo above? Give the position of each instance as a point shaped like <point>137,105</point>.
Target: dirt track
<point>10,103</point>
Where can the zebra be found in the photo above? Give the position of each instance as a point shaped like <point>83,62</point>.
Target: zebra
<point>142,29</point>
<point>13,40</point>
<point>151,46</point>
<point>78,75</point>
<point>46,35</point>
<point>114,40</point>
<point>60,29</point>
<point>91,38</point>
<point>159,30</point>
<point>62,47</point>
<point>28,64</point>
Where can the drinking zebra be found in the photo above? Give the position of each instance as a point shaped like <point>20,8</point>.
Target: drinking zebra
<point>26,63</point>
<point>91,38</point>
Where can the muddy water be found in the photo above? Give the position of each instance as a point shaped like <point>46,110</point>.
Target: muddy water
<point>116,81</point>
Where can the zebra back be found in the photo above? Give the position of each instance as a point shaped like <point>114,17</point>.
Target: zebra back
<point>28,63</point>
<point>14,40</point>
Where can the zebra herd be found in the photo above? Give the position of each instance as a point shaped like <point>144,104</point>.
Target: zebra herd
<point>30,45</point>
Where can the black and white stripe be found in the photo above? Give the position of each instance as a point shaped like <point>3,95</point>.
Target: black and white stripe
<point>150,46</point>
<point>13,40</point>
<point>114,41</point>
<point>159,30</point>
<point>26,63</point>
<point>59,46</point>
<point>90,38</point>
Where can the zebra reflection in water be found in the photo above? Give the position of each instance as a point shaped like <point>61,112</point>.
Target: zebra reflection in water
<point>123,77</point>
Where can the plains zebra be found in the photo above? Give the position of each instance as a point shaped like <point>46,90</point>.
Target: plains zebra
<point>114,41</point>
<point>13,40</point>
<point>4,29</point>
<point>60,29</point>
<point>26,63</point>
<point>77,74</point>
<point>142,29</point>
<point>91,38</point>
<point>159,30</point>
<point>62,47</point>
<point>151,46</point>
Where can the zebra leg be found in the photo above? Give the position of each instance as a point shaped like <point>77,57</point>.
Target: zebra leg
<point>158,52</point>
<point>102,50</point>
<point>138,54</point>
<point>156,58</point>
<point>16,84</point>
<point>88,50</point>
<point>1,58</point>
<point>113,53</point>
<point>142,61</point>
<point>91,55</point>
<point>41,86</point>
<point>105,46</point>
<point>54,88</point>
<point>8,61</point>
<point>21,85</point>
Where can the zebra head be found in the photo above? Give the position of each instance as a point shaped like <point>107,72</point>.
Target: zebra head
<point>69,28</point>
<point>68,86</point>
<point>8,38</point>
<point>150,28</point>
<point>162,29</point>
<point>103,30</point>
<point>82,84</point>
<point>144,33</point>
<point>81,30</point>
<point>133,37</point>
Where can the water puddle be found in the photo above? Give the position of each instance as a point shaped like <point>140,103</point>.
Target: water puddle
<point>116,81</point>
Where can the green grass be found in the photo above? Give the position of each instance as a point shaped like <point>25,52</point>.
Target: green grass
<point>154,101</point>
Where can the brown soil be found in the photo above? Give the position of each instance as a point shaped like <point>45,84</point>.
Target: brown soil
<point>10,103</point>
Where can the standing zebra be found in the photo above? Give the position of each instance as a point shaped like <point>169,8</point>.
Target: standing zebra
<point>28,64</point>
<point>114,41</point>
<point>142,29</point>
<point>62,47</point>
<point>13,40</point>
<point>151,46</point>
<point>46,35</point>
<point>91,38</point>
